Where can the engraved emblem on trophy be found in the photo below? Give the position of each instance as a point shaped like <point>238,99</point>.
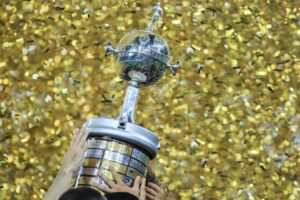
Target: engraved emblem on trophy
<point>142,58</point>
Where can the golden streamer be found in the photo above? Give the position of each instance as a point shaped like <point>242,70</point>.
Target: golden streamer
<point>228,121</point>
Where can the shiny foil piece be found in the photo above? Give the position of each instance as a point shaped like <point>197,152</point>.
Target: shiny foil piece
<point>228,121</point>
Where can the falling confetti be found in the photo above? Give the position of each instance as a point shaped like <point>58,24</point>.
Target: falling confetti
<point>229,121</point>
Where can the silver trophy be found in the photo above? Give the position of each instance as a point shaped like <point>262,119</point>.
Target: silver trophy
<point>142,58</point>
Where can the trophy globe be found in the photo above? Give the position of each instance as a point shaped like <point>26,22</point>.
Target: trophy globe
<point>142,55</point>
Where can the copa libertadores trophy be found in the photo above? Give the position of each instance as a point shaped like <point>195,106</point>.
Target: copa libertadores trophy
<point>142,58</point>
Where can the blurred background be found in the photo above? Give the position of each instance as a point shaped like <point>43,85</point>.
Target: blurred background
<point>228,121</point>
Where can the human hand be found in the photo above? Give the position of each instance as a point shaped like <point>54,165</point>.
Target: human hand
<point>154,192</point>
<point>138,188</point>
<point>70,164</point>
<point>74,155</point>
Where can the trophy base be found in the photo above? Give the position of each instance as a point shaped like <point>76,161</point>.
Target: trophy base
<point>129,151</point>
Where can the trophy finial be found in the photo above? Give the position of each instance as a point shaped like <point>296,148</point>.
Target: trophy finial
<point>158,12</point>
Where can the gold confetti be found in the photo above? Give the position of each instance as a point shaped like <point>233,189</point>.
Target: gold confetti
<point>228,121</point>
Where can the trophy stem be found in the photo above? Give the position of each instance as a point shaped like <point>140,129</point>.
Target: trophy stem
<point>129,105</point>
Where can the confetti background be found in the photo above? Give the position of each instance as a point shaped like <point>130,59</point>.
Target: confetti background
<point>228,121</point>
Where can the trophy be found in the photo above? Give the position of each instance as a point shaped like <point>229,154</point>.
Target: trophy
<point>142,58</point>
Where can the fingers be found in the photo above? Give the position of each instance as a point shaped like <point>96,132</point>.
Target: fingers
<point>143,184</point>
<point>151,197</point>
<point>104,188</point>
<point>150,191</point>
<point>91,142</point>
<point>74,137</point>
<point>75,152</point>
<point>117,177</point>
<point>86,145</point>
<point>136,184</point>
<point>155,187</point>
<point>82,136</point>
<point>85,134</point>
<point>78,140</point>
<point>109,182</point>
<point>77,135</point>
<point>142,190</point>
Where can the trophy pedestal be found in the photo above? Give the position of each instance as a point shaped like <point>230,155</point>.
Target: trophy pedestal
<point>129,150</point>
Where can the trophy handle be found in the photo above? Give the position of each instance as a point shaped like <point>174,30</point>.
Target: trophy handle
<point>110,49</point>
<point>174,67</point>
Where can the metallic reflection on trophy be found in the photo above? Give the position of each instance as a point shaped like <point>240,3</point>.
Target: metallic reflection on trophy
<point>142,58</point>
